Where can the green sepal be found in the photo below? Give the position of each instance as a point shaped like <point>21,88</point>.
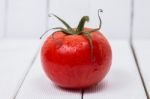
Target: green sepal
<point>56,28</point>
<point>79,30</point>
<point>69,29</point>
<point>90,42</point>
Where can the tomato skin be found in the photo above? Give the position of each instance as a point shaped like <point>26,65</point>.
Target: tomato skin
<point>66,59</point>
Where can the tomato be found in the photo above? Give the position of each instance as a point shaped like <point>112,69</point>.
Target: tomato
<point>68,62</point>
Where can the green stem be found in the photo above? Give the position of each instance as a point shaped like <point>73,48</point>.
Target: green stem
<point>81,24</point>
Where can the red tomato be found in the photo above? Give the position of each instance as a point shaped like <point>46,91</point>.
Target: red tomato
<point>66,59</point>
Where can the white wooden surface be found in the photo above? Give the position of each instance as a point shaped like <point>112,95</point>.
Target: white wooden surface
<point>141,25</point>
<point>141,39</point>
<point>123,80</point>
<point>2,14</point>
<point>142,50</point>
<point>26,18</point>
<point>116,21</point>
<point>38,86</point>
<point>15,58</point>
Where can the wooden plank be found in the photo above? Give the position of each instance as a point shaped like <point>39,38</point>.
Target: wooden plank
<point>116,22</point>
<point>142,50</point>
<point>123,81</point>
<point>141,25</point>
<point>141,36</point>
<point>15,58</point>
<point>2,14</point>
<point>115,17</point>
<point>26,18</point>
<point>38,86</point>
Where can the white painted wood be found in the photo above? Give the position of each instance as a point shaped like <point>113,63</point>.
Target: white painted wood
<point>38,86</point>
<point>116,16</point>
<point>141,28</point>
<point>123,81</point>
<point>2,14</point>
<point>142,50</point>
<point>26,18</point>
<point>15,59</point>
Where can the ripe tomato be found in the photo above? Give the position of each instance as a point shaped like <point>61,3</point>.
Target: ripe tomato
<point>68,62</point>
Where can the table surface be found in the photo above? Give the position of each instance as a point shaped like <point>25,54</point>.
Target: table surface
<point>21,75</point>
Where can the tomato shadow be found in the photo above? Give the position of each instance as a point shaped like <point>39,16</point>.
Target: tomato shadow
<point>67,89</point>
<point>95,88</point>
<point>43,84</point>
<point>114,81</point>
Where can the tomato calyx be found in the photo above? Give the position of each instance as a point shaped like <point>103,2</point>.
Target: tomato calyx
<point>79,30</point>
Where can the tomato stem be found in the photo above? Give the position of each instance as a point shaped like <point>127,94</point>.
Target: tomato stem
<point>79,30</point>
<point>80,27</point>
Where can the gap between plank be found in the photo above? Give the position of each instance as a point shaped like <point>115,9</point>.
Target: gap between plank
<point>82,92</point>
<point>5,19</point>
<point>139,70</point>
<point>36,54</point>
<point>26,73</point>
<point>132,47</point>
<point>47,12</point>
<point>131,21</point>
